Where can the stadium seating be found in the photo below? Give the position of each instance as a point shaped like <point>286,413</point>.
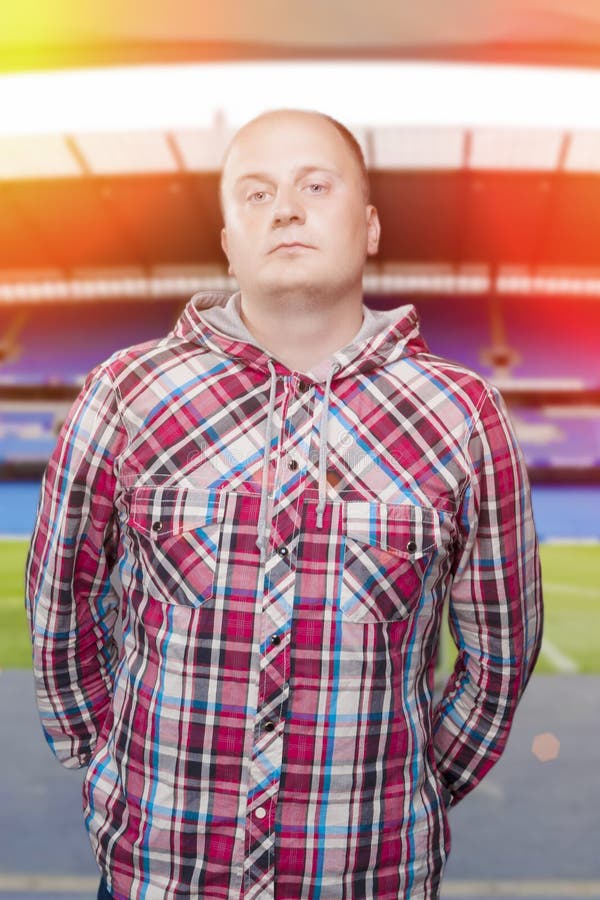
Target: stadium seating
<point>60,343</point>
<point>543,340</point>
<point>555,337</point>
<point>457,330</point>
<point>547,338</point>
<point>29,433</point>
<point>561,436</point>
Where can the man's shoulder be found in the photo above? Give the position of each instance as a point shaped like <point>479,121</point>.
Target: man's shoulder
<point>451,377</point>
<point>144,359</point>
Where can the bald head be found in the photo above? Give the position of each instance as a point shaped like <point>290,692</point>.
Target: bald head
<point>280,115</point>
<point>297,221</point>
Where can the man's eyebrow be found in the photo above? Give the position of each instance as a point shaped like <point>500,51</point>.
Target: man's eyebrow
<point>301,170</point>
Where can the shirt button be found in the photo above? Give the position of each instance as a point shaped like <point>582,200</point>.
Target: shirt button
<point>260,813</point>
<point>303,386</point>
<point>292,464</point>
<point>411,546</point>
<point>283,551</point>
<point>269,726</point>
<point>275,639</point>
<point>157,526</point>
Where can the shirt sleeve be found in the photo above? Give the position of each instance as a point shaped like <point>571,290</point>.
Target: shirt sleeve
<point>495,605</point>
<point>71,604</point>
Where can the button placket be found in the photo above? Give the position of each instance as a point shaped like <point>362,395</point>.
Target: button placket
<point>276,606</point>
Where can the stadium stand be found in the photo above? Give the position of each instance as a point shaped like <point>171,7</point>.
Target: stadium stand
<point>28,433</point>
<point>558,341</point>
<point>455,327</point>
<point>554,337</point>
<point>58,343</point>
<point>559,436</point>
<point>542,352</point>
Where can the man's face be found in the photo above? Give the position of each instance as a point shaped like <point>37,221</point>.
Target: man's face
<point>292,178</point>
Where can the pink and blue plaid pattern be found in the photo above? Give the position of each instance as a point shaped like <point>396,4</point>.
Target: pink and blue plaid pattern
<point>268,730</point>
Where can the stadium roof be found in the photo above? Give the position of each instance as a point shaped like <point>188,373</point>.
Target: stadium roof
<point>515,192</point>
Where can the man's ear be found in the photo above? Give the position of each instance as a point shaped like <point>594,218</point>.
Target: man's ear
<point>373,231</point>
<point>224,246</point>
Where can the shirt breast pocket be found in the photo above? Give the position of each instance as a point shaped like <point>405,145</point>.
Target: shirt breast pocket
<point>387,551</point>
<point>175,535</point>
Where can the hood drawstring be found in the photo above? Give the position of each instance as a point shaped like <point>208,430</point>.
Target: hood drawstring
<point>261,541</point>
<point>323,446</point>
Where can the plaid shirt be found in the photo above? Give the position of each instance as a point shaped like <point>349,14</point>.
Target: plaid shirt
<point>266,725</point>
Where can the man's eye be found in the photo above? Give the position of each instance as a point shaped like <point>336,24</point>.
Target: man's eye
<point>258,194</point>
<point>316,184</point>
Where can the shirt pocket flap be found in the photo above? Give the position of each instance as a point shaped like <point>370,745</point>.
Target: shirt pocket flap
<point>162,512</point>
<point>403,529</point>
<point>387,551</point>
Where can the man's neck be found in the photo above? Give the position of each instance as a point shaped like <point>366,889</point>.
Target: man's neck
<point>302,335</point>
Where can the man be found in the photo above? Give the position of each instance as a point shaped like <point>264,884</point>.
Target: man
<point>290,486</point>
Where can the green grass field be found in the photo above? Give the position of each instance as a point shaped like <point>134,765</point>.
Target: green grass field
<point>571,578</point>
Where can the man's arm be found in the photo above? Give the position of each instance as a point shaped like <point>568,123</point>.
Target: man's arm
<point>71,604</point>
<point>495,605</point>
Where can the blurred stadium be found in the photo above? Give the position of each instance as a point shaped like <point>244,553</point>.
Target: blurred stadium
<point>483,146</point>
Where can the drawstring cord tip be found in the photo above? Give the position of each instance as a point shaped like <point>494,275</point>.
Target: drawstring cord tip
<point>260,543</point>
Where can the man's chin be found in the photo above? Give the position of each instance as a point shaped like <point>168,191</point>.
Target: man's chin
<point>292,286</point>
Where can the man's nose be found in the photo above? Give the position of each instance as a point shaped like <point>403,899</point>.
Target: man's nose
<point>288,206</point>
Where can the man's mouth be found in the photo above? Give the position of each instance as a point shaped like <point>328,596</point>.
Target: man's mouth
<point>292,245</point>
